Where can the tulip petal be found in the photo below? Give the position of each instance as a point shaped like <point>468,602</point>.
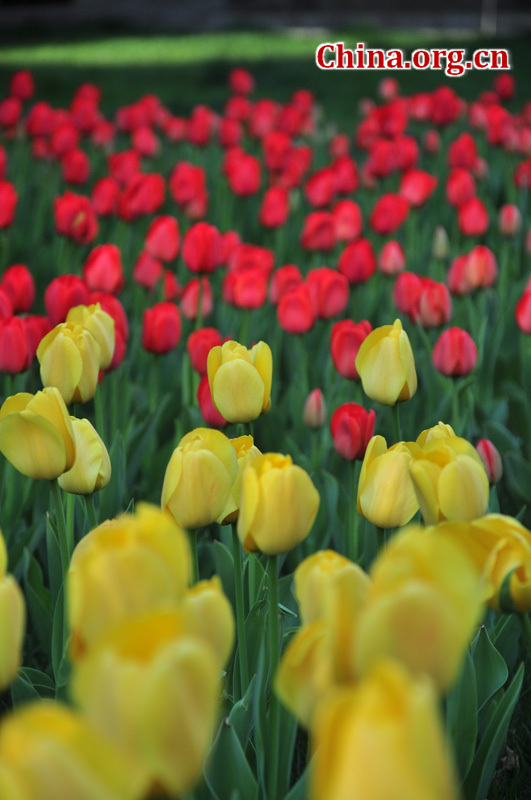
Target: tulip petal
<point>382,373</point>
<point>238,391</point>
<point>463,489</point>
<point>262,359</point>
<point>32,445</point>
<point>387,495</point>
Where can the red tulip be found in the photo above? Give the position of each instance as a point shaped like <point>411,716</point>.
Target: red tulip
<point>504,86</point>
<point>346,340</point>
<point>10,112</point>
<point>282,280</point>
<point>463,152</point>
<point>200,126</point>
<point>509,220</point>
<point>352,428</point>
<point>392,258</point>
<point>481,268</point>
<point>147,270</point>
<point>62,294</point>
<point>358,261</point>
<point>8,204</point>
<point>162,238</point>
<point>199,345</point>
<point>245,288</point>
<point>454,353</point>
<point>406,294</point>
<point>170,286</point>
<point>491,458</point>
<point>276,146</point>
<point>124,166</point>
<point>64,138</point>
<point>432,142</point>
<point>15,349</point>
<point>473,218</point>
<point>143,195</point>
<point>161,328</point>
<point>275,207</point>
<point>75,218</point>
<point>21,85</point>
<point>390,211</point>
<point>329,290</point>
<point>460,187</point>
<point>252,256</point>
<point>18,282</point>
<point>447,106</point>
<point>230,132</point>
<point>523,312</point>
<point>417,186</point>
<point>320,187</point>
<point>144,141</point>
<point>202,248</point>
<point>315,411</point>
<point>114,308</point>
<point>39,121</point>
<point>210,414</point>
<point>243,173</point>
<point>241,81</point>
<point>190,298</point>
<point>75,166</point>
<point>186,182</point>
<point>6,306</point>
<point>103,269</point>
<point>339,145</point>
<point>348,219</point>
<point>105,197</point>
<point>295,310</point>
<point>435,304</point>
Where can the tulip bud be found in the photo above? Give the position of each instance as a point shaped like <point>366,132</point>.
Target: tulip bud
<point>161,329</point>
<point>16,353</point>
<point>386,495</point>
<point>70,360</point>
<point>101,326</point>
<point>199,478</point>
<point>523,312</point>
<point>509,220</point>
<point>162,238</point>
<point>345,343</point>
<point>103,269</point>
<point>36,434</point>
<point>278,505</point>
<point>62,294</point>
<point>91,470</point>
<point>315,410</point>
<point>491,460</point>
<point>12,622</point>
<point>18,282</point>
<point>454,353</point>
<point>441,243</point>
<point>240,380</point>
<point>397,380</point>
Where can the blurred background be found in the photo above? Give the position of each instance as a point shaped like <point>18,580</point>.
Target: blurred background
<point>184,50</point>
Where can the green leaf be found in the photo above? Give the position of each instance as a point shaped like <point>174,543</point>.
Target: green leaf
<point>461,716</point>
<point>227,772</point>
<point>60,663</point>
<point>506,638</point>
<point>491,669</point>
<point>518,475</point>
<point>255,627</point>
<point>287,735</point>
<point>300,790</point>
<point>38,601</point>
<point>484,765</point>
<point>241,715</point>
<point>55,570</point>
<point>137,446</point>
<point>111,499</point>
<point>225,570</point>
<point>23,691</point>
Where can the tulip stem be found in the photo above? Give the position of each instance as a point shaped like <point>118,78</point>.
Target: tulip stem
<point>240,612</point>
<point>526,630</point>
<point>91,511</point>
<point>352,549</point>
<point>380,538</point>
<point>455,406</point>
<point>274,655</point>
<point>61,527</point>
<point>192,541</point>
<point>70,506</point>
<point>98,409</point>
<point>396,423</point>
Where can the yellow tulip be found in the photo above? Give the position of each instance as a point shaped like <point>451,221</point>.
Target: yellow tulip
<point>240,380</point>
<point>439,431</point>
<point>323,653</point>
<point>70,360</point>
<point>48,752</point>
<point>209,615</point>
<point>245,451</point>
<point>500,547</point>
<point>450,480</point>
<point>36,434</point>
<point>278,505</point>
<point>386,496</point>
<point>382,739</point>
<point>154,690</point>
<point>122,568</point>
<point>91,470</point>
<point>312,580</point>
<point>101,326</point>
<point>386,365</point>
<point>199,478</point>
<point>12,622</point>
<point>423,604</point>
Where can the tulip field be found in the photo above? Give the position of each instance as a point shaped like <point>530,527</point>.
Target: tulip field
<point>265,442</point>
